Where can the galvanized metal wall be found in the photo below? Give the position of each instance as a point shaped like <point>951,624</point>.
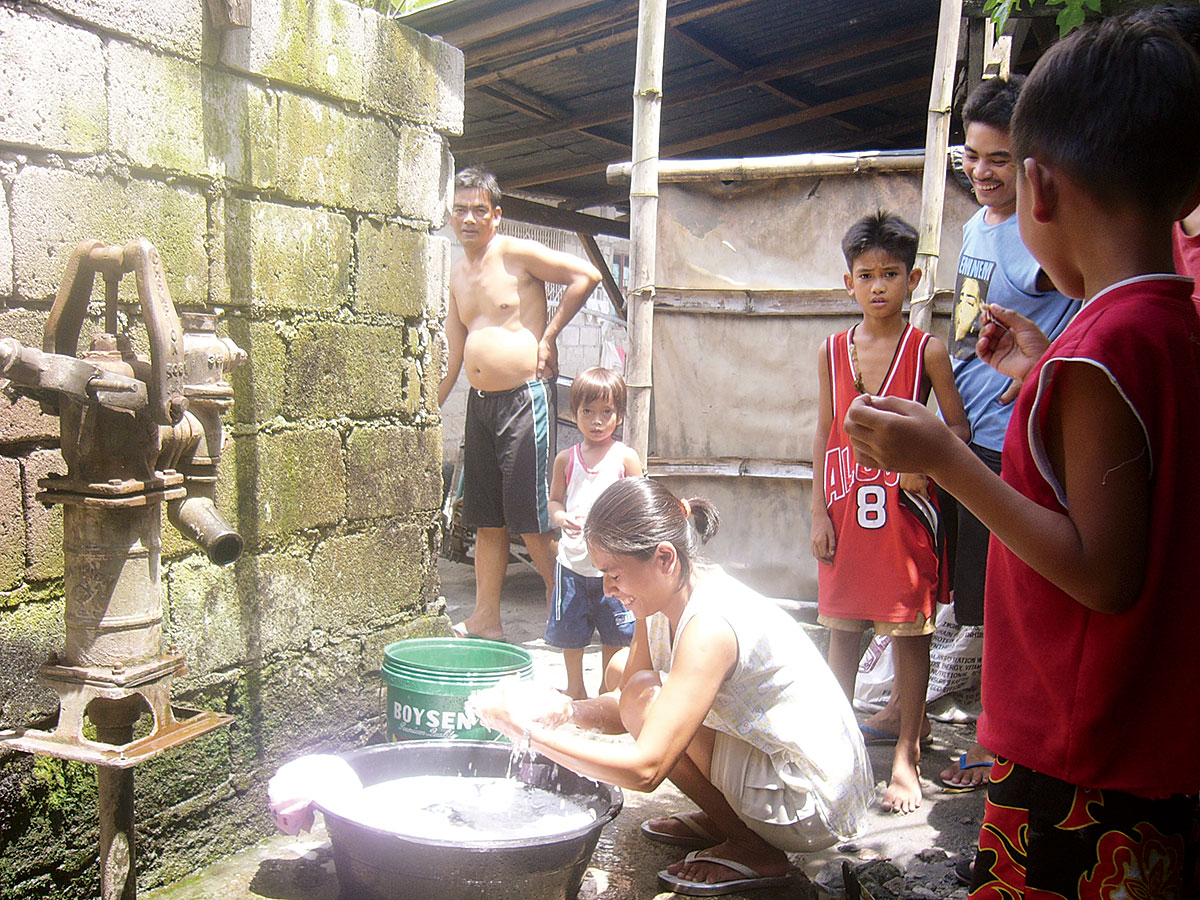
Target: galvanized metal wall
<point>750,282</point>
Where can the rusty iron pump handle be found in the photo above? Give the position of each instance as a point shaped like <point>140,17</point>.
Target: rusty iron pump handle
<point>167,403</point>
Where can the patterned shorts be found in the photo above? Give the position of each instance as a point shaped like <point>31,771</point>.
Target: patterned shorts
<point>1043,838</point>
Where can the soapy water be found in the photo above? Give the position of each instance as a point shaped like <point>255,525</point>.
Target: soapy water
<point>454,808</point>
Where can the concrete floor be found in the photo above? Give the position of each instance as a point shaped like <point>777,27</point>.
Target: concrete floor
<point>922,845</point>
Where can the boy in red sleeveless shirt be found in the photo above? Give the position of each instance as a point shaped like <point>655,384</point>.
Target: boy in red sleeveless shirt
<point>1091,610</point>
<point>876,533</point>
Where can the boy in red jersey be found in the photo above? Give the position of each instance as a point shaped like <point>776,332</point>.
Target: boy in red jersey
<point>876,533</point>
<point>1090,612</point>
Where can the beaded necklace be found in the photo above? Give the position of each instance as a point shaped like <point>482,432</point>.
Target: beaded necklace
<point>855,369</point>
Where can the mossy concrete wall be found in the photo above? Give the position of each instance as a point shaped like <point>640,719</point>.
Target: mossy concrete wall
<point>291,175</point>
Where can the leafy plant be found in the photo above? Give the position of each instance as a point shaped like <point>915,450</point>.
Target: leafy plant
<point>1071,16</point>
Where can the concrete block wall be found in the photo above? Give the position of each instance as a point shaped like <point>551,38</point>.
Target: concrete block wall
<point>293,176</point>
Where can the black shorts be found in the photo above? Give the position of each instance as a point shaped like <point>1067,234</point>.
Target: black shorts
<point>1043,838</point>
<point>509,450</point>
<point>967,545</point>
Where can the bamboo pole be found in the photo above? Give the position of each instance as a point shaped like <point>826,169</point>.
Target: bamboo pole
<point>933,182</point>
<point>643,218</point>
<point>797,165</point>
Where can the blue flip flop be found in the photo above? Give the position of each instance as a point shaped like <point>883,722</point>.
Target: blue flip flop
<point>963,765</point>
<point>875,736</point>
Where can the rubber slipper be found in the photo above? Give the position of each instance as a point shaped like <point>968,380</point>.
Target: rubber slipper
<point>460,631</point>
<point>875,736</point>
<point>963,765</point>
<point>749,880</point>
<point>699,839</point>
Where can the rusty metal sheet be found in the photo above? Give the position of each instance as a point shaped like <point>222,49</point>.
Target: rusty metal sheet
<point>785,233</point>
<point>764,535</point>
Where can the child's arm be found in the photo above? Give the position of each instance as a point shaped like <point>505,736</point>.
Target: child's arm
<point>633,463</point>
<point>824,539</point>
<point>1097,451</point>
<point>558,490</point>
<point>941,377</point>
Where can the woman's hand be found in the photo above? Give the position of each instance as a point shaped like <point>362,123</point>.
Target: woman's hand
<point>572,524</point>
<point>513,707</point>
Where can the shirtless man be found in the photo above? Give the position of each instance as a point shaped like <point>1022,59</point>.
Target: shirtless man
<point>496,324</point>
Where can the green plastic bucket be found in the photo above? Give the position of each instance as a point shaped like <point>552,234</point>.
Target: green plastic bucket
<point>429,679</point>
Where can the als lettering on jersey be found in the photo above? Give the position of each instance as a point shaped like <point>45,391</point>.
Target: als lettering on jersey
<point>843,474</point>
<point>970,295</point>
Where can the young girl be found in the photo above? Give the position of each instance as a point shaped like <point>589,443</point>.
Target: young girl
<point>580,606</point>
<point>751,724</point>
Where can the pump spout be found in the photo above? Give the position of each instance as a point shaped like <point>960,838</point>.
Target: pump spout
<point>198,520</point>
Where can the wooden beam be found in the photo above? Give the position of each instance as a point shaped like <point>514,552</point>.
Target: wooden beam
<point>518,18</point>
<point>521,210</point>
<point>581,27</point>
<point>592,249</point>
<point>607,112</point>
<point>796,165</point>
<point>524,101</point>
<point>623,36</point>
<point>723,58</point>
<point>913,85</point>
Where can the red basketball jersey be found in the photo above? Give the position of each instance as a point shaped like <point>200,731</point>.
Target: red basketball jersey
<point>887,565</point>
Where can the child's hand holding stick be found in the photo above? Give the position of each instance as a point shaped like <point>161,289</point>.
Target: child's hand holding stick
<point>1011,344</point>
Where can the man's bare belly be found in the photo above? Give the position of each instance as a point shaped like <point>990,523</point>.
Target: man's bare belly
<point>497,359</point>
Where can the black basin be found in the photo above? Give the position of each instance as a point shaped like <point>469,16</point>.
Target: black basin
<point>378,865</point>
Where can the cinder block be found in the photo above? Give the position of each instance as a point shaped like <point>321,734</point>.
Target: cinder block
<point>12,525</point>
<point>241,130</point>
<point>289,481</point>
<point>393,471</point>
<point>156,110</point>
<point>438,298</point>
<point>258,383</point>
<point>174,25</point>
<point>52,210</point>
<point>204,615</point>
<point>426,177</point>
<point>414,76</point>
<point>394,269</point>
<point>278,596</point>
<point>318,45</point>
<point>53,76</point>
<point>335,158</point>
<point>23,421</point>
<point>43,524</point>
<point>373,578</point>
<point>359,371</point>
<point>29,633</point>
<point>302,704</point>
<point>286,257</point>
<point>6,282</point>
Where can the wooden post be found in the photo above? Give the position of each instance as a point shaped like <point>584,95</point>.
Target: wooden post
<point>643,218</point>
<point>933,182</point>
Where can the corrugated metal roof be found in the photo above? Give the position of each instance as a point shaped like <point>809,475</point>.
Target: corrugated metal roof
<point>549,82</point>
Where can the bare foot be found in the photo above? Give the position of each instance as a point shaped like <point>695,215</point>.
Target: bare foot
<point>764,860</point>
<point>903,794</point>
<point>576,693</point>
<point>975,771</point>
<point>887,721</point>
